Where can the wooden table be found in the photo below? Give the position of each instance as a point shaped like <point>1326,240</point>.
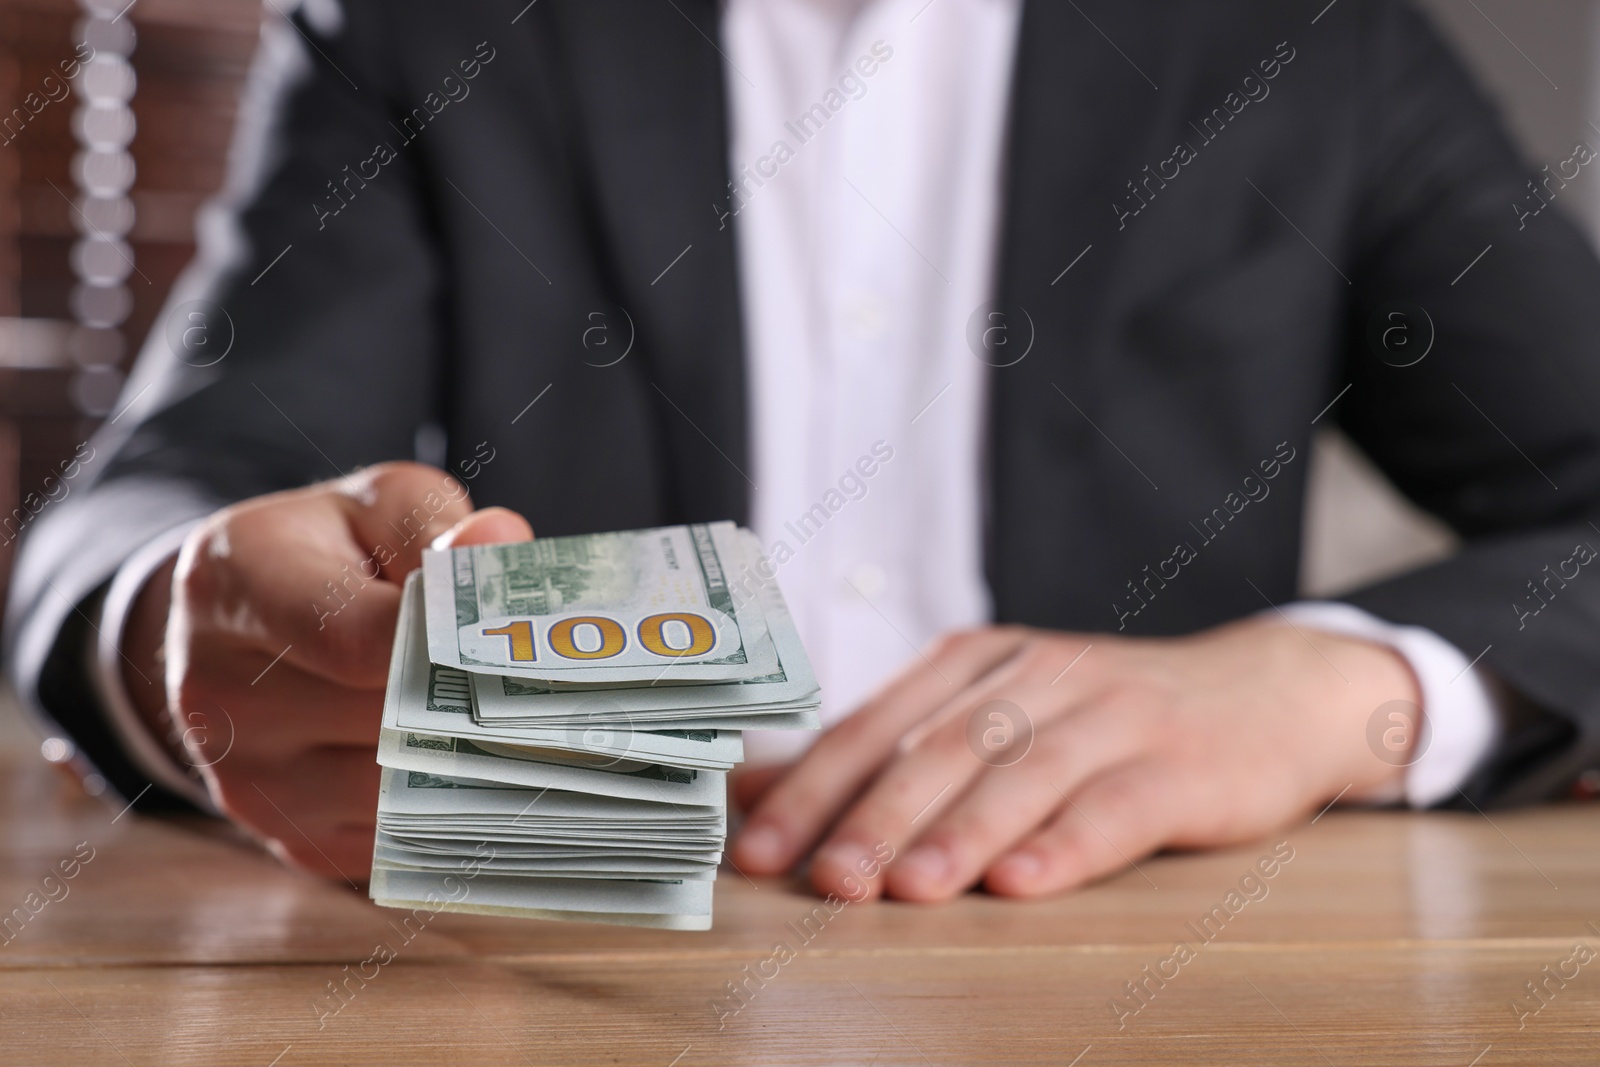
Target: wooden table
<point>1388,938</point>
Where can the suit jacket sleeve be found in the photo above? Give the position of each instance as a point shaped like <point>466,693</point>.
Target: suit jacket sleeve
<point>317,289</point>
<point>1495,428</point>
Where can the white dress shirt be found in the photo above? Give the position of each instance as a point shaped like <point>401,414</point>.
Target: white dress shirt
<point>865,209</point>
<point>866,153</point>
<point>861,260</point>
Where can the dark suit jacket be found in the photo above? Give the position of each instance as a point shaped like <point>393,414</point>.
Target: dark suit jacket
<point>1196,338</point>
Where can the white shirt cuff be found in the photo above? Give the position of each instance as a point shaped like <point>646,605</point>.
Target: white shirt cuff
<point>1460,709</point>
<point>105,671</point>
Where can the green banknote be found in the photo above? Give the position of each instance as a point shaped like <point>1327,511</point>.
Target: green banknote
<point>641,607</point>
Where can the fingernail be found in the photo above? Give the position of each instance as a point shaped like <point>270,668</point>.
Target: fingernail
<point>926,864</point>
<point>761,846</point>
<point>1021,866</point>
<point>444,540</point>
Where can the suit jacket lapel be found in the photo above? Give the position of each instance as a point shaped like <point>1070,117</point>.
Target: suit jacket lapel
<point>649,89</point>
<point>1079,108</point>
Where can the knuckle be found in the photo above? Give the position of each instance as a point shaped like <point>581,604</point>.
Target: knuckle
<point>212,577</point>
<point>398,475</point>
<point>1053,751</point>
<point>196,578</point>
<point>946,644</point>
<point>956,642</point>
<point>945,743</point>
<point>968,834</point>
<point>1041,656</point>
<point>1122,803</point>
<point>847,732</point>
<point>408,482</point>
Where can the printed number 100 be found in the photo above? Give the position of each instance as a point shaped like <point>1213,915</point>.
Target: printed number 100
<point>607,637</point>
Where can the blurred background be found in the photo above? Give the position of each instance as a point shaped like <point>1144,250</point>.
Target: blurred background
<point>101,176</point>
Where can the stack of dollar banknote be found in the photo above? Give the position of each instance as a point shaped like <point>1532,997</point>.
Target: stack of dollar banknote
<point>560,718</point>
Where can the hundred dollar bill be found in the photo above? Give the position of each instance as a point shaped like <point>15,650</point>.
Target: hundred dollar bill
<point>427,699</point>
<point>606,709</point>
<point>536,847</point>
<point>786,699</point>
<point>458,757</point>
<point>426,799</point>
<point>619,870</point>
<point>466,820</point>
<point>642,607</point>
<point>669,905</point>
<point>542,853</point>
<point>594,864</point>
<point>547,768</point>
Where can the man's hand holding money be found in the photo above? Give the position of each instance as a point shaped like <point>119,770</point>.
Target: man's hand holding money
<point>278,616</point>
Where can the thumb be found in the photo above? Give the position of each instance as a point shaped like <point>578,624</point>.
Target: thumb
<point>486,526</point>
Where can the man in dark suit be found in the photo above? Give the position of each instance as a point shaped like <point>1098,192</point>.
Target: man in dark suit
<point>1198,230</point>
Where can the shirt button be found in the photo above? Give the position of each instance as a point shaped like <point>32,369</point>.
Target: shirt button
<point>865,316</point>
<point>868,579</point>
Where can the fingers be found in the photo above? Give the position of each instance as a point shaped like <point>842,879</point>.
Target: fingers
<point>241,700</point>
<point>278,643</point>
<point>910,791</point>
<point>356,616</point>
<point>793,814</point>
<point>1002,806</point>
<point>1114,821</point>
<point>316,812</point>
<point>283,575</point>
<point>313,574</point>
<point>395,510</point>
<point>344,854</point>
<point>288,611</point>
<point>1028,678</point>
<point>750,784</point>
<point>486,526</point>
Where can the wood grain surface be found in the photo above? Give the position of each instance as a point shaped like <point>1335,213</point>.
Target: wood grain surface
<point>1387,938</point>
